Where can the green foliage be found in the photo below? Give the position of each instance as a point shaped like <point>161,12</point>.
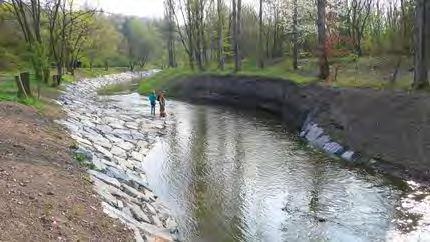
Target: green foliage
<point>163,80</point>
<point>83,161</point>
<point>96,72</point>
<point>102,43</point>
<point>83,158</point>
<point>67,78</point>
<point>40,61</point>
<point>143,40</point>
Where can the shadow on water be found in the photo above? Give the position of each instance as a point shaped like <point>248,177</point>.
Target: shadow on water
<point>230,175</point>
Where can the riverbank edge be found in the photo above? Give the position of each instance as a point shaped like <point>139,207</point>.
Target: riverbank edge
<point>381,130</point>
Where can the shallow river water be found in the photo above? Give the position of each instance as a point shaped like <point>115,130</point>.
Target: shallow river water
<point>229,175</point>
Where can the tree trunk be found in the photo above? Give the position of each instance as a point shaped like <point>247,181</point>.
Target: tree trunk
<point>322,36</point>
<point>237,23</point>
<point>23,86</point>
<point>56,80</point>
<point>131,65</point>
<point>59,72</point>
<point>295,37</point>
<point>234,25</point>
<point>220,36</point>
<point>46,73</point>
<point>171,33</point>
<point>421,44</point>
<point>260,37</point>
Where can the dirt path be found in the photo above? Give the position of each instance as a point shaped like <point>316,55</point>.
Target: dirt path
<point>44,195</point>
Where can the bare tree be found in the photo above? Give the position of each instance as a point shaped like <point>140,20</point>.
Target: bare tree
<point>28,15</point>
<point>322,38</point>
<point>67,29</point>
<point>170,21</point>
<point>422,45</point>
<point>295,35</point>
<point>221,57</point>
<point>236,18</point>
<point>358,16</point>
<point>260,37</point>
<point>238,58</point>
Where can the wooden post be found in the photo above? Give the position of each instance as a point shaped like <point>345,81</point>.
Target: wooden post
<point>25,83</point>
<point>20,87</point>
<point>55,80</point>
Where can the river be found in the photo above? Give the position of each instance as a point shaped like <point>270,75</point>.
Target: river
<point>230,175</point>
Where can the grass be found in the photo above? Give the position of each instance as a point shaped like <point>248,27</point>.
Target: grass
<point>8,88</point>
<point>365,72</point>
<point>96,72</point>
<point>163,79</point>
<point>8,91</point>
<point>116,88</point>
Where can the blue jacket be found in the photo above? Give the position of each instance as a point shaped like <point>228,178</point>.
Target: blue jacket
<point>152,98</point>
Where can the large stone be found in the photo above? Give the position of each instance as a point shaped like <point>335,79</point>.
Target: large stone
<point>81,140</point>
<point>314,132</point>
<point>105,178</point>
<point>99,164</point>
<point>104,129</point>
<point>138,214</point>
<point>99,140</point>
<point>116,173</point>
<point>117,151</point>
<point>131,191</point>
<point>117,125</point>
<point>103,151</point>
<point>333,148</point>
<point>348,155</point>
<point>321,141</point>
<point>150,209</point>
<point>125,145</point>
<point>138,180</point>
<point>138,156</point>
<point>132,125</point>
<point>113,138</point>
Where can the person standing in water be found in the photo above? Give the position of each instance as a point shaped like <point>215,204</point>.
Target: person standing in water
<point>152,100</point>
<point>162,102</point>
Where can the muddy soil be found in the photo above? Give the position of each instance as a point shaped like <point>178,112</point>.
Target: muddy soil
<point>44,194</point>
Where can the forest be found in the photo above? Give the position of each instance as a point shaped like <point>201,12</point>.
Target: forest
<point>353,43</point>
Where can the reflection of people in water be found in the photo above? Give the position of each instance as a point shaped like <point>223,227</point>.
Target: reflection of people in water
<point>152,100</point>
<point>162,102</point>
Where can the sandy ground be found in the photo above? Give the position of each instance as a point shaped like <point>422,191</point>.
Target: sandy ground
<point>44,195</point>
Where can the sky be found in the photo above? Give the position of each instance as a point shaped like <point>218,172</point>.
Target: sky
<point>141,8</point>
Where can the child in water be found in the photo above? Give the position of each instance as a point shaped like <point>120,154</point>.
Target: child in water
<point>162,102</point>
<point>152,100</point>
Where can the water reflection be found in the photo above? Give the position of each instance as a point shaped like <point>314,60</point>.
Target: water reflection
<point>230,176</point>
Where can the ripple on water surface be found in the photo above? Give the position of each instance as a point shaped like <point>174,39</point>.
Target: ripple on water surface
<point>234,176</point>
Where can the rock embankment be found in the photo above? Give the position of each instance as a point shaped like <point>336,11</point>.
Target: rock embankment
<point>116,140</point>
